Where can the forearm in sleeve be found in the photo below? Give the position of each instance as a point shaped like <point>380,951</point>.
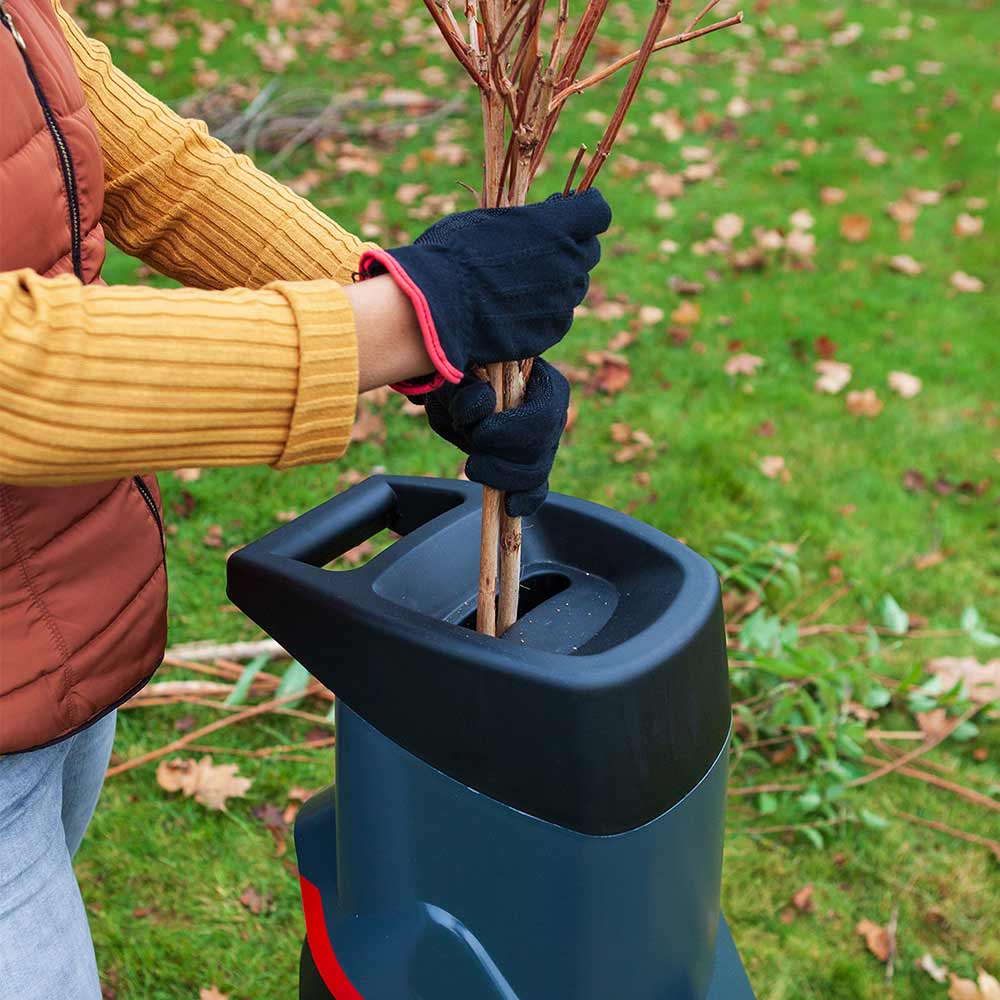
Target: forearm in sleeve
<point>100,382</point>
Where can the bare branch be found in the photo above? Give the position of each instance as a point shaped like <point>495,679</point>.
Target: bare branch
<point>628,94</point>
<point>455,42</point>
<point>572,170</point>
<point>704,10</point>
<point>603,74</point>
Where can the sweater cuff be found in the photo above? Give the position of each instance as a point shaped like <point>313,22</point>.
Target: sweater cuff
<point>327,392</point>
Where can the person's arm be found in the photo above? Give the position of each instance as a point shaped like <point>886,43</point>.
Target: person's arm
<point>102,382</point>
<point>189,206</point>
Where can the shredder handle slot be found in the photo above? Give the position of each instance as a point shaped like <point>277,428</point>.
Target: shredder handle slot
<point>401,503</point>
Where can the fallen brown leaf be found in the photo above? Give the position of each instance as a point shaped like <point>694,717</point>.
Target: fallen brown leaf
<point>926,963</point>
<point>985,987</point>
<point>187,475</point>
<point>864,403</point>
<point>743,364</point>
<point>803,899</point>
<point>210,784</point>
<point>687,313</point>
<point>833,376</point>
<point>855,228</point>
<point>963,282</point>
<point>981,680</point>
<point>212,994</point>
<point>903,263</point>
<point>876,938</point>
<point>773,466</point>
<point>904,384</point>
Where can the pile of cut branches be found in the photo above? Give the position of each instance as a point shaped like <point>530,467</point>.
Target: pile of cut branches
<point>523,87</point>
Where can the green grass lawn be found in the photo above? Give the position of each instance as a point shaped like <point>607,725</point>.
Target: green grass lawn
<point>763,122</point>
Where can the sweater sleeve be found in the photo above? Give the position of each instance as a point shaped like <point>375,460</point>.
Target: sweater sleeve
<point>189,206</point>
<point>100,382</point>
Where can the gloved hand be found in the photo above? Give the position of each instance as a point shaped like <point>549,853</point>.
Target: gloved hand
<point>513,450</point>
<point>496,284</point>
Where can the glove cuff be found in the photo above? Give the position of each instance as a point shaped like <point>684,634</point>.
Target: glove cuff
<point>376,262</point>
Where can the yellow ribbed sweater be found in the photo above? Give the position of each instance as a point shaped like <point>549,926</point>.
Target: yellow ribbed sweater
<point>254,362</point>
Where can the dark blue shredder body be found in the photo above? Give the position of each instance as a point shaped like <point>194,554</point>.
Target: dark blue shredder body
<point>538,817</point>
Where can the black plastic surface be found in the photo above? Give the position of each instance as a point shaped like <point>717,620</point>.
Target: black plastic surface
<point>601,708</point>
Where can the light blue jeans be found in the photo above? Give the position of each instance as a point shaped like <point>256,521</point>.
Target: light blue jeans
<point>46,800</point>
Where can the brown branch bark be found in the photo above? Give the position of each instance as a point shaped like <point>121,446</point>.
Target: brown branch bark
<point>600,75</point>
<point>455,42</point>
<point>627,96</point>
<point>970,838</point>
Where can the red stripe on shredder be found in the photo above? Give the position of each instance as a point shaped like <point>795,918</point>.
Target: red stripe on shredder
<point>319,944</point>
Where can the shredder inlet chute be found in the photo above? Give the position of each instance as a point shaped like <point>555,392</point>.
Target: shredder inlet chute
<point>538,817</point>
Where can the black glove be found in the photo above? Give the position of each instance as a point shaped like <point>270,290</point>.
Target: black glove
<point>514,450</point>
<point>496,284</point>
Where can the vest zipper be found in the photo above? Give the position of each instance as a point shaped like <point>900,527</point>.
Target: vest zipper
<point>144,492</point>
<point>62,148</point>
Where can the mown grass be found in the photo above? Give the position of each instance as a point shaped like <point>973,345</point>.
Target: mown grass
<point>164,877</point>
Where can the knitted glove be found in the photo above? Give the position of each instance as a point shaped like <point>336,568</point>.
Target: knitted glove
<point>514,450</point>
<point>496,284</point>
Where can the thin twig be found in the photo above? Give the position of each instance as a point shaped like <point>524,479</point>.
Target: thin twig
<point>890,933</point>
<point>993,846</point>
<point>572,170</point>
<point>962,791</point>
<point>212,727</point>
<point>701,15</point>
<point>929,744</point>
<point>688,36</point>
<point>627,96</point>
<point>456,43</point>
<point>208,650</point>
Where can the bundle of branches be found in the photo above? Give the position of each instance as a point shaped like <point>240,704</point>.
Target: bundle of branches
<point>523,88</point>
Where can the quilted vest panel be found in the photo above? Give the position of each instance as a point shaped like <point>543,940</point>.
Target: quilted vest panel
<point>82,574</point>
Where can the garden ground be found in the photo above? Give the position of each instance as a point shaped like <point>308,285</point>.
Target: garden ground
<point>819,185</point>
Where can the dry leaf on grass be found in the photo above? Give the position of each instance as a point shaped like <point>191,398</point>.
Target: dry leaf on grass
<point>743,364</point>
<point>864,403</point>
<point>934,722</point>
<point>981,680</point>
<point>803,899</point>
<point>773,466</point>
<point>613,372</point>
<point>876,938</point>
<point>255,901</point>
<point>904,384</point>
<point>187,475</point>
<point>968,225</point>
<point>903,263</point>
<point>212,994</point>
<point>650,314</point>
<point>687,313</point>
<point>802,219</point>
<point>207,783</point>
<point>833,376</point>
<point>985,987</point>
<point>855,228</point>
<point>963,282</point>
<point>728,227</point>
<point>926,963</point>
<point>832,195</point>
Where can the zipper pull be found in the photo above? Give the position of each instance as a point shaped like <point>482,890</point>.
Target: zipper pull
<point>9,21</point>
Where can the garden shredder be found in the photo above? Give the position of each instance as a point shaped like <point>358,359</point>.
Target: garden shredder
<point>535,817</point>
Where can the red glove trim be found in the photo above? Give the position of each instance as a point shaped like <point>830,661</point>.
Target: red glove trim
<point>319,944</point>
<point>415,388</point>
<point>444,367</point>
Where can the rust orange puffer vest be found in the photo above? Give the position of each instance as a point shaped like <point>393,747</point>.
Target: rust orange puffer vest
<point>82,577</point>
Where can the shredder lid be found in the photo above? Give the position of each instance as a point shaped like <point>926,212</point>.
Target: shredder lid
<point>601,708</point>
